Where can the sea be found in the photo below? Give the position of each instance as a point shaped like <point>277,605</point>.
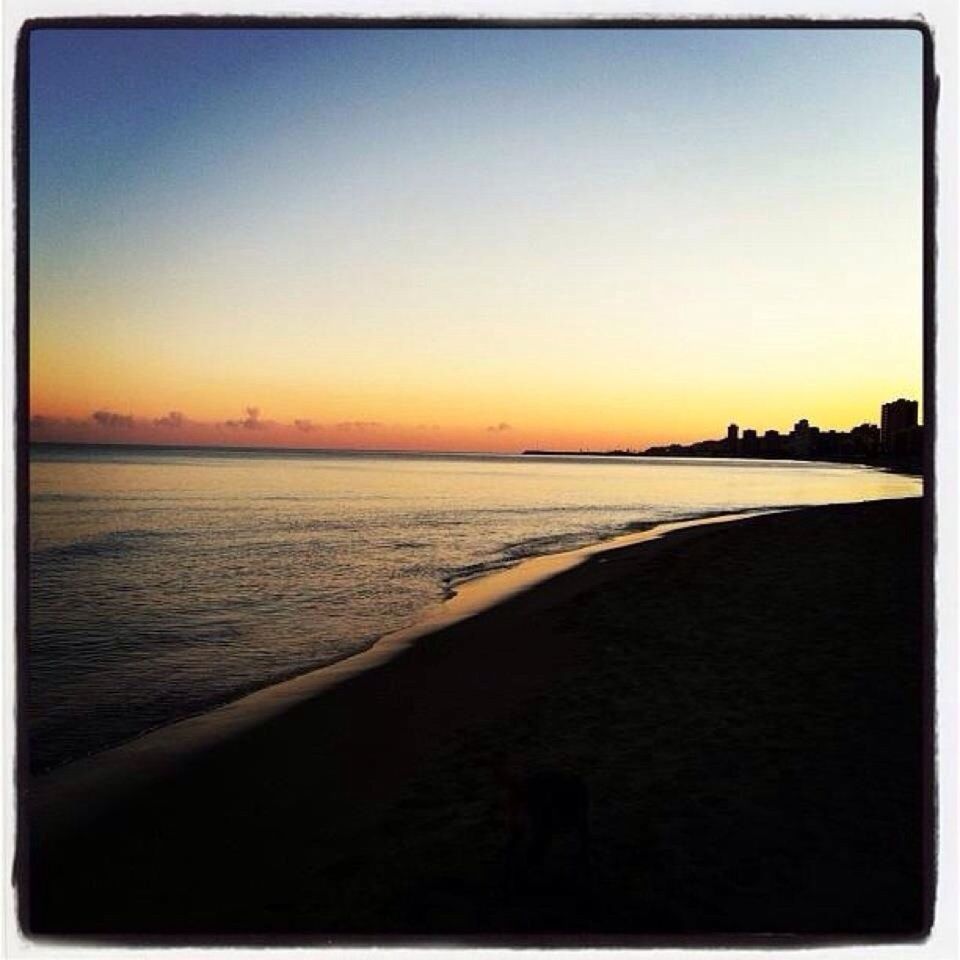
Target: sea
<point>166,581</point>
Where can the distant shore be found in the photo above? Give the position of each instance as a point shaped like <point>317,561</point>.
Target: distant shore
<point>908,465</point>
<point>742,701</point>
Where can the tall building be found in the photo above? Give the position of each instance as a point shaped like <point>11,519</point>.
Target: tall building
<point>800,439</point>
<point>866,438</point>
<point>733,432</point>
<point>896,417</point>
<point>771,445</point>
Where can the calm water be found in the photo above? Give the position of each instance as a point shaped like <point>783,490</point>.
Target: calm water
<point>164,582</point>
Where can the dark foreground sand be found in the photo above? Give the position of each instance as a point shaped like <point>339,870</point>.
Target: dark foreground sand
<point>744,704</point>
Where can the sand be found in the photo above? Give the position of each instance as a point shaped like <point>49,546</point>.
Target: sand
<point>745,705</point>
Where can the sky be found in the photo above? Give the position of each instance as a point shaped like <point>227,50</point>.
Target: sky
<point>471,239</point>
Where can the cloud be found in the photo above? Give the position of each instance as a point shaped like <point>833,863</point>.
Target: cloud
<point>252,420</point>
<point>359,425</point>
<point>305,425</point>
<point>39,421</point>
<point>107,418</point>
<point>173,419</point>
<point>499,428</point>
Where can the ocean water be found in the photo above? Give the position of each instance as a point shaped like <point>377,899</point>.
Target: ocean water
<point>164,582</point>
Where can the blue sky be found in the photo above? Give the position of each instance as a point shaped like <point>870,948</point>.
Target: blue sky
<point>368,220</point>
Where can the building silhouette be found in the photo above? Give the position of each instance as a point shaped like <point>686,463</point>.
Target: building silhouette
<point>800,440</point>
<point>897,420</point>
<point>866,439</point>
<point>733,432</point>
<point>899,439</point>
<point>771,444</point>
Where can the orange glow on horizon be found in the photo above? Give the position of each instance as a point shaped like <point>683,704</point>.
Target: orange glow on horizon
<point>583,430</point>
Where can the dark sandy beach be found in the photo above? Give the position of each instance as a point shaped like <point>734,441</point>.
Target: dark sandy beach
<point>744,705</point>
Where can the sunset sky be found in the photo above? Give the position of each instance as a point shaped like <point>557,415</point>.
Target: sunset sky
<point>471,239</point>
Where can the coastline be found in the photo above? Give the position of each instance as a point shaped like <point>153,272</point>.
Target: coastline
<point>91,784</point>
<point>320,592</point>
<point>281,827</point>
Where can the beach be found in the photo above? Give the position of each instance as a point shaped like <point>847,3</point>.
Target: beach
<point>744,704</point>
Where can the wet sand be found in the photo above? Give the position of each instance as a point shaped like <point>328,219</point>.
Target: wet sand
<point>743,704</point>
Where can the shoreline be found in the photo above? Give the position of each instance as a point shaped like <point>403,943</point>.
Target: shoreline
<point>742,700</point>
<point>897,465</point>
<point>285,626</point>
<point>101,778</point>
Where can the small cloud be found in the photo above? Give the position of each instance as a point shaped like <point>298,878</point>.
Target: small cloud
<point>359,425</point>
<point>499,428</point>
<point>305,425</point>
<point>252,420</point>
<point>173,419</point>
<point>107,418</point>
<point>39,421</point>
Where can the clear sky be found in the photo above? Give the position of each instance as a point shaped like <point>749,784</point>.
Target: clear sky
<point>471,239</point>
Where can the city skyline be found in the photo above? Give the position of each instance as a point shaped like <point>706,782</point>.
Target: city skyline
<point>898,435</point>
<point>474,240</point>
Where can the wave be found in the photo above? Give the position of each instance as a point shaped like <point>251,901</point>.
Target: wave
<point>116,544</point>
<point>511,554</point>
<point>66,497</point>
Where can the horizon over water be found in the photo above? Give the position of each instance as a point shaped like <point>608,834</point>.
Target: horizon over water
<point>165,581</point>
